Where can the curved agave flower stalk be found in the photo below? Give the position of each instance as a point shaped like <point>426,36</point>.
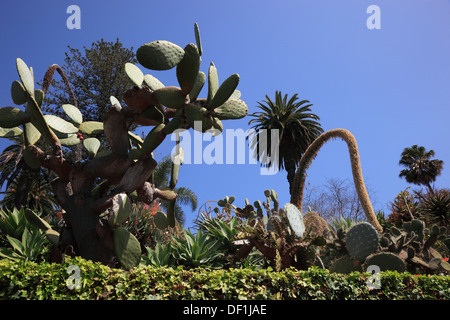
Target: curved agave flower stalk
<point>311,153</point>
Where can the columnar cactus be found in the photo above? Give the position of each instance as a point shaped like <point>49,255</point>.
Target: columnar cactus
<point>92,226</point>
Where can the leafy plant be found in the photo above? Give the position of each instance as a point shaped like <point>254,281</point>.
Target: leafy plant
<point>13,222</point>
<point>434,206</point>
<point>161,256</point>
<point>199,250</point>
<point>280,235</point>
<point>30,247</point>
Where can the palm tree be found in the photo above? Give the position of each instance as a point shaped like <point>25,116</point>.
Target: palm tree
<point>420,169</point>
<point>161,178</point>
<point>297,126</point>
<point>24,186</point>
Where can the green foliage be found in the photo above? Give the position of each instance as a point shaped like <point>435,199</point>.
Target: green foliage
<point>420,169</point>
<point>161,256</point>
<point>95,73</point>
<point>44,281</point>
<point>199,250</point>
<point>31,246</point>
<point>13,222</point>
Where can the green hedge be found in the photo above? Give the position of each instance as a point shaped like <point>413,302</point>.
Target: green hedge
<point>51,281</point>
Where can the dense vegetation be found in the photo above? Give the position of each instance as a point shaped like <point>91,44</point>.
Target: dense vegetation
<point>87,203</point>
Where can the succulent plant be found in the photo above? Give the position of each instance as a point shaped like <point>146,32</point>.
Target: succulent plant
<point>91,190</point>
<point>295,218</point>
<point>385,261</point>
<point>361,240</point>
<point>345,264</point>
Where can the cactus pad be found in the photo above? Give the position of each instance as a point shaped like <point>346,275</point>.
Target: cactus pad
<point>134,73</point>
<point>52,236</point>
<point>10,132</point>
<point>91,127</point>
<point>128,248</point>
<point>213,82</point>
<point>71,140</point>
<point>59,124</point>
<point>231,109</point>
<point>361,240</point>
<point>152,140</point>
<point>159,55</point>
<point>385,261</point>
<point>295,219</point>
<point>25,76</point>
<point>152,82</point>
<point>11,117</point>
<point>18,93</point>
<point>225,91</point>
<point>73,113</point>
<point>345,265</point>
<point>198,86</point>
<point>32,134</point>
<point>188,68</point>
<point>171,97</point>
<point>198,39</point>
<point>160,220</point>
<point>92,145</point>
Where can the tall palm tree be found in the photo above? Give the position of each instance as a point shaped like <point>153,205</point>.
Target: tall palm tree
<point>161,178</point>
<point>420,169</point>
<point>297,126</point>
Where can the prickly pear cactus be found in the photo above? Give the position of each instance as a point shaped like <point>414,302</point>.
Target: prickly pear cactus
<point>345,265</point>
<point>295,218</point>
<point>361,240</point>
<point>98,187</point>
<point>386,261</point>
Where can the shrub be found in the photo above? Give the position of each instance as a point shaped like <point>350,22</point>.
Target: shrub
<point>28,280</point>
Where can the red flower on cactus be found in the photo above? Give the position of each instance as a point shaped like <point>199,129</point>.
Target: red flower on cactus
<point>445,259</point>
<point>59,215</point>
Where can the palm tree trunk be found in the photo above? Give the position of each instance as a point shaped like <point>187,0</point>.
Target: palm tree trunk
<point>311,153</point>
<point>23,188</point>
<point>289,165</point>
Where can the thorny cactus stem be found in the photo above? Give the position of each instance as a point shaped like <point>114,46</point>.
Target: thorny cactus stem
<point>311,153</point>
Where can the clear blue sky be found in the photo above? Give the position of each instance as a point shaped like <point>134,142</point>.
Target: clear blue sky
<point>390,87</point>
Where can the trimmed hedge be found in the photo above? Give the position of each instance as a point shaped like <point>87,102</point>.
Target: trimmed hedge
<point>48,281</point>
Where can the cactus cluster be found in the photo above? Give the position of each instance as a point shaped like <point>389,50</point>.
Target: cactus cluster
<point>413,242</point>
<point>91,190</point>
<point>277,232</point>
<point>407,247</point>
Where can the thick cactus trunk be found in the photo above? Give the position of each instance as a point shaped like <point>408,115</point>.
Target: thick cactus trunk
<point>311,153</point>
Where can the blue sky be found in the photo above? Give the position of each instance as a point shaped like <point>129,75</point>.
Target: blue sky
<point>390,87</point>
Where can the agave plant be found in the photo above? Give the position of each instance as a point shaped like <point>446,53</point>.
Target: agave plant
<point>199,250</point>
<point>30,247</point>
<point>161,256</point>
<point>435,206</point>
<point>13,222</point>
